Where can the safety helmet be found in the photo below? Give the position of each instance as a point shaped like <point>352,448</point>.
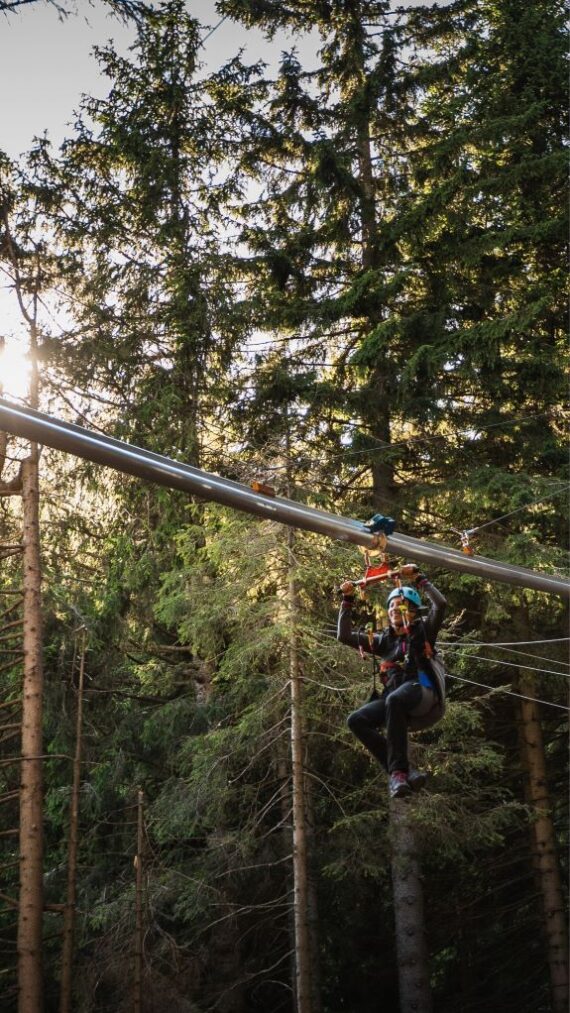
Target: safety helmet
<point>409,593</point>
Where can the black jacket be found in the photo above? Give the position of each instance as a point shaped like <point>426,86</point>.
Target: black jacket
<point>402,655</point>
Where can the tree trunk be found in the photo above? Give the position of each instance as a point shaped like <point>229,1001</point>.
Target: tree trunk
<point>31,786</point>
<point>542,834</point>
<point>283,774</point>
<point>11,630</point>
<point>378,416</point>
<point>303,986</point>
<point>543,843</point>
<point>411,947</point>
<point>69,914</point>
<point>368,201</point>
<point>376,393</point>
<point>139,901</point>
<point>312,909</point>
<point>30,909</point>
<point>304,897</point>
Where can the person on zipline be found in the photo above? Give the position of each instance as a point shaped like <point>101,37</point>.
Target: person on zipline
<point>410,692</point>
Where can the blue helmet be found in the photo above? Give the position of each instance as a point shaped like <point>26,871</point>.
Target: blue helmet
<point>409,593</point>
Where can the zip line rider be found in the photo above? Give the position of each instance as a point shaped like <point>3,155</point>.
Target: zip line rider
<point>410,689</point>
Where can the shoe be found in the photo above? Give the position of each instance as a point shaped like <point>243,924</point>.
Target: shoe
<point>417,779</point>
<point>399,786</point>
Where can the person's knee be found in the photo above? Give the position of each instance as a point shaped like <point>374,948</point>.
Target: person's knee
<point>394,703</point>
<point>355,721</point>
<point>404,700</point>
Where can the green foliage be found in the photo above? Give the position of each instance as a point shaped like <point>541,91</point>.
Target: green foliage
<point>386,224</point>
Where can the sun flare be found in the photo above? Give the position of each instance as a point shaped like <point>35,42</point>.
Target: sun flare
<point>14,369</point>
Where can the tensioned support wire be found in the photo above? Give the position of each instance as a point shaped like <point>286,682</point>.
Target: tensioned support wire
<point>94,446</point>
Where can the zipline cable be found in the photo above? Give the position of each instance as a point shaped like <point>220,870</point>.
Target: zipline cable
<point>509,692</point>
<point>162,470</point>
<point>417,439</point>
<point>214,29</point>
<point>558,489</point>
<point>509,650</point>
<point>446,646</point>
<point>449,648</point>
<point>496,689</point>
<point>543,499</point>
<point>513,643</point>
<point>513,664</point>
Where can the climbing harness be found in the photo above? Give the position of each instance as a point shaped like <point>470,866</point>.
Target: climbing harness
<point>370,630</point>
<point>378,569</point>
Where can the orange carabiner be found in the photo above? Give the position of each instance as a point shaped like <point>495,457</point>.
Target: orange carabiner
<point>466,546</point>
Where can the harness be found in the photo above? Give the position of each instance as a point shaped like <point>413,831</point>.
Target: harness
<point>378,571</point>
<point>376,668</point>
<point>390,671</point>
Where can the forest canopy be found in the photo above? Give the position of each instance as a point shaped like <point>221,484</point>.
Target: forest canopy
<point>341,277</point>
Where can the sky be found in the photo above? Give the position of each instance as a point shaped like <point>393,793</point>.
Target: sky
<point>46,64</point>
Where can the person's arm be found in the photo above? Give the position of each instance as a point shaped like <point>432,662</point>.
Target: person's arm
<point>438,604</point>
<point>437,608</point>
<point>345,632</point>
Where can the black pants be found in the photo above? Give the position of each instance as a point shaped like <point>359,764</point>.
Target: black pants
<point>392,710</point>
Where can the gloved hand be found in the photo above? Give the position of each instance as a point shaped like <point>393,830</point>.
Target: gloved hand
<point>411,572</point>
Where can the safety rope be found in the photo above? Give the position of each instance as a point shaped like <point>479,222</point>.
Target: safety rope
<point>512,643</point>
<point>543,499</point>
<point>513,664</point>
<point>214,29</point>
<point>511,650</point>
<point>416,439</point>
<point>494,689</point>
<point>508,692</point>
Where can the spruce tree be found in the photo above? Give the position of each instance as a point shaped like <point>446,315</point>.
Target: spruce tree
<point>132,198</point>
<point>326,152</point>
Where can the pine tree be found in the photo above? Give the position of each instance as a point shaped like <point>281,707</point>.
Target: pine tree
<point>132,198</point>
<point>326,152</point>
<point>483,234</point>
<point>467,257</point>
<point>366,237</point>
<point>131,202</point>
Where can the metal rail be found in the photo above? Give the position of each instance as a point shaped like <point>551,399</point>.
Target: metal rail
<point>125,457</point>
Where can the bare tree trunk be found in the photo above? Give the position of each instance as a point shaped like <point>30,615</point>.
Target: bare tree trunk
<point>30,911</point>
<point>411,946</point>
<point>283,774</point>
<point>376,392</point>
<point>139,902</point>
<point>543,843</point>
<point>31,782</point>
<point>11,627</point>
<point>368,201</point>
<point>69,913</point>
<point>378,411</point>
<point>542,834</point>
<point>303,987</point>
<point>304,899</point>
<point>313,910</point>
<point>283,769</point>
